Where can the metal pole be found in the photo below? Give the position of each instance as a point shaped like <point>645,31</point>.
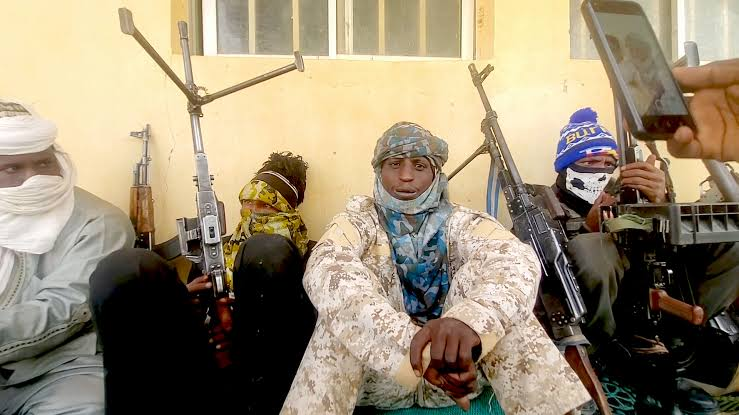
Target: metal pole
<point>128,27</point>
<point>621,134</point>
<point>144,175</point>
<point>480,150</point>
<point>298,64</point>
<point>194,110</point>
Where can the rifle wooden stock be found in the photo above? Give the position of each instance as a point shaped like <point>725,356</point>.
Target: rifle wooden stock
<point>660,300</point>
<point>141,213</point>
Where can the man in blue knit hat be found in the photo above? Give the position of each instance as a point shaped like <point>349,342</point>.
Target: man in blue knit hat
<point>587,155</point>
<point>586,158</point>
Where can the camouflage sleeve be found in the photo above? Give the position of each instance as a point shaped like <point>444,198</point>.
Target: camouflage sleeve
<point>497,281</point>
<point>350,297</point>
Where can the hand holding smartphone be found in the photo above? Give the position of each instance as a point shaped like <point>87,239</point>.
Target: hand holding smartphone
<point>650,98</point>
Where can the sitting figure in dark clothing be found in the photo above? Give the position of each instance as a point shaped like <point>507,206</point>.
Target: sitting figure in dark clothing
<point>585,161</point>
<point>586,158</point>
<point>159,348</point>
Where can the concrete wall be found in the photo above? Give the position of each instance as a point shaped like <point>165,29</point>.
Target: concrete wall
<point>72,62</point>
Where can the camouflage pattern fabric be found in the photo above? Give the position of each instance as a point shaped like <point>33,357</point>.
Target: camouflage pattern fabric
<point>358,354</point>
<point>287,223</point>
<point>406,139</point>
<point>419,252</point>
<point>416,227</point>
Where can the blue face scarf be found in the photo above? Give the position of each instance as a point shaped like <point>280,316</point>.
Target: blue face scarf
<point>417,236</point>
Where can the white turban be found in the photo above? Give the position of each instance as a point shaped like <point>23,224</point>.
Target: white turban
<point>22,131</point>
<point>33,214</point>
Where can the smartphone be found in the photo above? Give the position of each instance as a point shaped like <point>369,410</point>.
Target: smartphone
<point>650,98</point>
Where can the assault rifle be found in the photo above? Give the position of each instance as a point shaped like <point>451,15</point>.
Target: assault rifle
<point>656,297</point>
<point>530,223</point>
<point>141,208</point>
<point>200,238</point>
<point>559,292</point>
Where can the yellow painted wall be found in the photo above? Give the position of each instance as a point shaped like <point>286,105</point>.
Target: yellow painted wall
<point>70,59</point>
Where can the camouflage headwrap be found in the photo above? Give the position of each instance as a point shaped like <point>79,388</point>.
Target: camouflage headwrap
<point>406,139</point>
<point>287,222</point>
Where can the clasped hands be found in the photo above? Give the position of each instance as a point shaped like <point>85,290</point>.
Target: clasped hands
<point>452,367</point>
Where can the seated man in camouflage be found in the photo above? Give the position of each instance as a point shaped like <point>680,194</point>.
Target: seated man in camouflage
<point>408,268</point>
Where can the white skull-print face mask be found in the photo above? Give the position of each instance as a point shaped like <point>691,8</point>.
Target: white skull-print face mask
<point>587,185</point>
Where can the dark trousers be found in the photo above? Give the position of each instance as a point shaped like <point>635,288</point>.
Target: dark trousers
<point>600,267</point>
<point>156,348</point>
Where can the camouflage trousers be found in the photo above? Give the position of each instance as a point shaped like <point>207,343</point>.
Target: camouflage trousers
<point>525,369</point>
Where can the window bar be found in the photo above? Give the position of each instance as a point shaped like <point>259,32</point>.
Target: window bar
<point>725,44</point>
<point>381,27</point>
<point>690,21</point>
<point>195,26</point>
<point>681,33</point>
<point>468,30</point>
<point>296,24</point>
<point>662,26</point>
<point>210,28</point>
<point>422,48</point>
<point>348,27</point>
<point>332,28</point>
<point>252,27</point>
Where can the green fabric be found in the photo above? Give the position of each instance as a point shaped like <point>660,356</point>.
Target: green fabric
<point>485,404</point>
<point>628,221</point>
<point>621,399</point>
<point>286,222</point>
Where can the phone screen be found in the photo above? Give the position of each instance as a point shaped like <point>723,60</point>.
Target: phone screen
<point>642,65</point>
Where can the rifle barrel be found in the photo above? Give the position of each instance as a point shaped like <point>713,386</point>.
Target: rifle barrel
<point>128,27</point>
<point>480,150</point>
<point>298,64</point>
<point>492,118</point>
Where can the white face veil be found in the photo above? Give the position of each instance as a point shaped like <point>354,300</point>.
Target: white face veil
<point>33,214</point>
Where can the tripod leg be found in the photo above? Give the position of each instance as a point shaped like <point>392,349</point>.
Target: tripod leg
<point>578,359</point>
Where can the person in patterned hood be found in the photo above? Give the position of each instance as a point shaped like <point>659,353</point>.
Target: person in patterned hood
<point>424,302</point>
<point>269,206</point>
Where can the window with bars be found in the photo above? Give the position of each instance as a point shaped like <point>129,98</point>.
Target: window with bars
<point>712,24</point>
<point>659,13</point>
<point>361,28</point>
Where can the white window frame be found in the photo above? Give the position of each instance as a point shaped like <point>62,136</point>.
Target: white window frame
<point>210,34</point>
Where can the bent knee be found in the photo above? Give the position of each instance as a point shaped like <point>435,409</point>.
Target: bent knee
<point>268,254</point>
<point>78,394</point>
<point>124,267</point>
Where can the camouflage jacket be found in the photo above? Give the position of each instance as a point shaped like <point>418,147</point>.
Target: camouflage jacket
<point>352,281</point>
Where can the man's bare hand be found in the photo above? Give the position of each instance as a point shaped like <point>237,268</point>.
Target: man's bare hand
<point>457,385</point>
<point>647,178</point>
<point>452,368</point>
<point>594,218</point>
<point>199,284</point>
<point>715,110</point>
<point>219,331</point>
